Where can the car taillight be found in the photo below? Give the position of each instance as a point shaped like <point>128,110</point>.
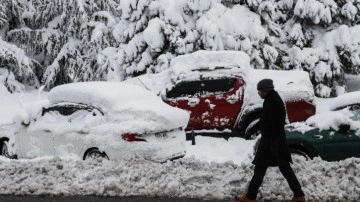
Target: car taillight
<point>132,137</point>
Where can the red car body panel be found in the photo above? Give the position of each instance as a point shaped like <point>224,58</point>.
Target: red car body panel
<point>299,110</point>
<point>212,111</point>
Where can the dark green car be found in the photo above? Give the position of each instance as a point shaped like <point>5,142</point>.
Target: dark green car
<point>332,144</point>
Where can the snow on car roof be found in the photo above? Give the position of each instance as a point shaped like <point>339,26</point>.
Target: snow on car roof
<point>291,84</point>
<point>191,66</point>
<point>291,80</point>
<point>210,60</point>
<point>103,94</point>
<point>344,100</point>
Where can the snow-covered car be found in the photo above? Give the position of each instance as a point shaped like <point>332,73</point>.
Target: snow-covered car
<point>219,89</point>
<point>333,134</point>
<point>97,119</point>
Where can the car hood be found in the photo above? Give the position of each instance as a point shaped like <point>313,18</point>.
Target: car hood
<point>160,117</point>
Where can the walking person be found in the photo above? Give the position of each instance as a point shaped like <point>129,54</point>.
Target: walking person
<point>272,150</point>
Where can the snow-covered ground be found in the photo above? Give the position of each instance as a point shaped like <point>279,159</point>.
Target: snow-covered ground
<point>212,169</point>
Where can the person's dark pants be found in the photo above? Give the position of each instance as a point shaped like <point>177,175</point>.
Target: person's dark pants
<point>286,171</point>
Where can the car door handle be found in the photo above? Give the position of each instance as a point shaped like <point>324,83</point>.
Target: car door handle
<point>193,102</point>
<point>47,130</point>
<point>231,99</point>
<point>317,137</point>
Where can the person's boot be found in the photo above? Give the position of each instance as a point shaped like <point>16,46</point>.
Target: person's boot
<point>297,199</point>
<point>243,198</point>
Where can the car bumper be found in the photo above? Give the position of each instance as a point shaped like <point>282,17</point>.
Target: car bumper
<point>158,149</point>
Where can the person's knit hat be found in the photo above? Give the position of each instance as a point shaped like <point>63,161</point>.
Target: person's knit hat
<point>265,85</point>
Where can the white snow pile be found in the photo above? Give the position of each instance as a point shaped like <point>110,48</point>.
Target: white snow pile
<point>188,177</point>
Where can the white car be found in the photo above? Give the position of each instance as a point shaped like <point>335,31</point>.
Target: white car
<point>97,119</point>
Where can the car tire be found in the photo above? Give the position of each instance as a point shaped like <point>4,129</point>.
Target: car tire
<point>253,129</point>
<point>94,153</point>
<point>4,149</point>
<point>301,153</point>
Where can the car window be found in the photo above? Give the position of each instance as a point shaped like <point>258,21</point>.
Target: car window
<point>215,86</point>
<point>70,112</point>
<point>185,89</point>
<point>354,107</point>
<point>61,110</point>
<point>203,87</point>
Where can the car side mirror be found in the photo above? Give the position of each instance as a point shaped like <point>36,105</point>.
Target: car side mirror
<point>344,128</point>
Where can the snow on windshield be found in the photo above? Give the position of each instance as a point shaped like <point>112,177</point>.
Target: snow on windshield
<point>344,100</point>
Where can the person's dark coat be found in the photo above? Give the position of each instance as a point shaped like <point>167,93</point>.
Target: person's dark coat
<point>273,149</point>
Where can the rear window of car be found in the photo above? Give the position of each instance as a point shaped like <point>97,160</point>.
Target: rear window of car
<point>185,89</point>
<point>215,86</point>
<point>67,110</point>
<point>202,87</point>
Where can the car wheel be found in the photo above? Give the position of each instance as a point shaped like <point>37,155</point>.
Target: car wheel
<point>4,149</point>
<point>253,129</point>
<point>299,154</point>
<point>94,153</point>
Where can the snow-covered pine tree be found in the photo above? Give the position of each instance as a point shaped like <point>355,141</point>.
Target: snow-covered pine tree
<point>17,68</point>
<point>84,40</point>
<point>294,29</point>
<point>20,68</point>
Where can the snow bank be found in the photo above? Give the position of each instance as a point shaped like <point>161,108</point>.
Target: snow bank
<point>321,181</point>
<point>219,150</point>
